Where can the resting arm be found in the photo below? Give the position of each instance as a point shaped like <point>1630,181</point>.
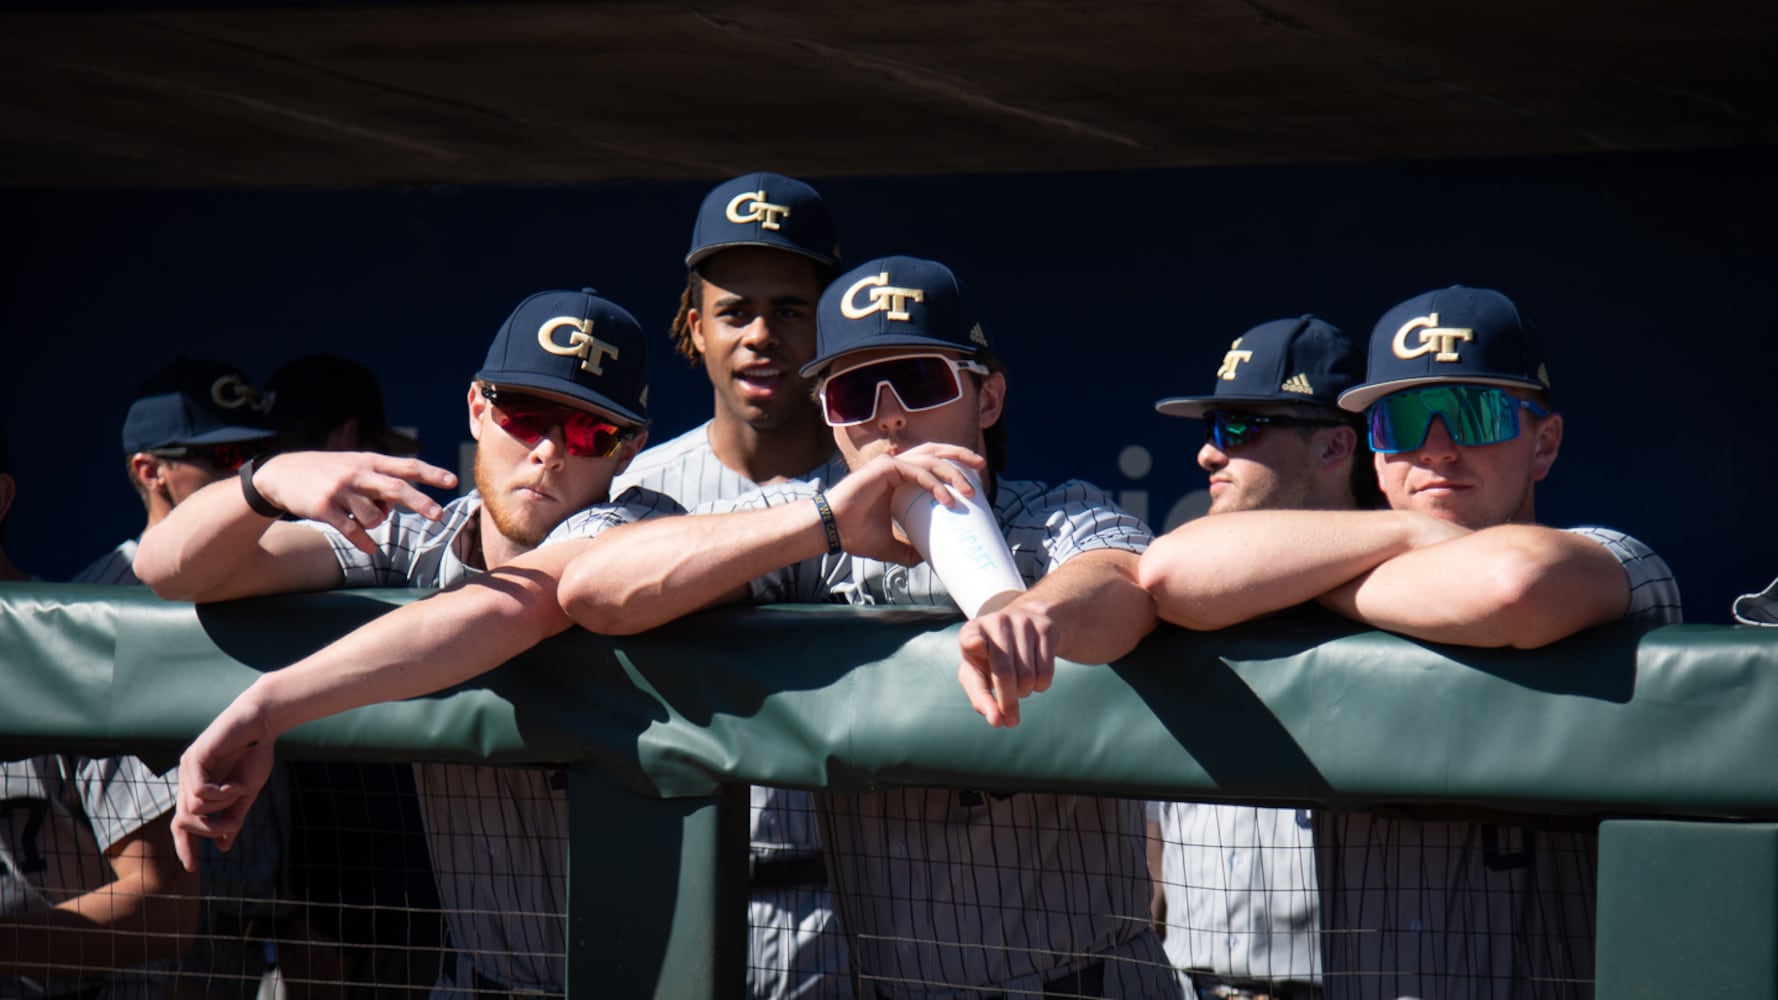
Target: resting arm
<point>149,912</point>
<point>1091,609</point>
<point>1223,569</point>
<point>642,575</point>
<point>414,650</point>
<point>214,547</point>
<point>1516,585</point>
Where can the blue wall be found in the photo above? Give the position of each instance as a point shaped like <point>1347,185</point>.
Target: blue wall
<point>1650,275</point>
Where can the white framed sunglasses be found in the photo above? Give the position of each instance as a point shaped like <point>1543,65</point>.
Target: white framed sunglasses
<point>919,382</point>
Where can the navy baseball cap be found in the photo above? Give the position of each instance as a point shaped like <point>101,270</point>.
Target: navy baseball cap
<point>1456,334</point>
<point>895,302</point>
<point>574,348</point>
<point>1302,360</point>
<point>192,402</point>
<point>764,210</point>
<point>319,392</point>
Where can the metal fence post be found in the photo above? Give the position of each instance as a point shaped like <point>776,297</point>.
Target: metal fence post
<point>657,892</point>
<point>1687,908</point>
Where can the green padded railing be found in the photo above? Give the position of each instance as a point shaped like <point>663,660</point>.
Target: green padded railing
<point>1674,731</point>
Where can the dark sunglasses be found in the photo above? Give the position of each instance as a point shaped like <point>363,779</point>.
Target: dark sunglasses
<point>1227,429</point>
<point>225,457</point>
<point>1474,415</point>
<point>529,419</point>
<point>919,381</point>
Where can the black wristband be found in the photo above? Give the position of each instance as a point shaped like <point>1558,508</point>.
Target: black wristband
<point>828,524</point>
<point>260,505</point>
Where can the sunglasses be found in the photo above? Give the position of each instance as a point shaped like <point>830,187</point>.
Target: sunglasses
<point>919,382</point>
<point>1474,415</point>
<point>223,457</point>
<point>529,419</point>
<point>1227,429</point>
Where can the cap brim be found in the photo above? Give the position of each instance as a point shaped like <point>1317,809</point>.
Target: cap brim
<point>879,343</point>
<point>1358,398</point>
<point>703,253</point>
<point>390,441</point>
<point>226,435</point>
<point>1197,406</point>
<point>561,391</point>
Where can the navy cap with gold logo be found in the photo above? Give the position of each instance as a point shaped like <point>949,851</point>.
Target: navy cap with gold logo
<point>895,302</point>
<point>1302,360</point>
<point>764,210</point>
<point>193,402</point>
<point>574,348</point>
<point>1455,334</point>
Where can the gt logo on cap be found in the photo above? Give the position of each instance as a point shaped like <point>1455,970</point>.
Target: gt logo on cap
<point>1232,360</point>
<point>581,343</point>
<point>757,209</point>
<point>1432,336</point>
<point>230,393</point>
<point>883,297</point>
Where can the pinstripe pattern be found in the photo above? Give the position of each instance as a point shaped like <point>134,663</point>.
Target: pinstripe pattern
<point>1240,890</point>
<point>497,836</point>
<point>1468,910</point>
<point>941,890</point>
<point>114,567</point>
<point>59,814</point>
<point>794,949</point>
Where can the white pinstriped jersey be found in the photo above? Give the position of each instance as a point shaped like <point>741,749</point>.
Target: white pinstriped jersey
<point>114,567</point>
<point>1458,910</point>
<point>944,891</point>
<point>1239,882</point>
<point>59,814</point>
<point>788,953</point>
<point>498,835</point>
<point>686,469</point>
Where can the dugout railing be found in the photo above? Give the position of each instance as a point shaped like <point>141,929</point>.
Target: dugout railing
<point>1671,736</point>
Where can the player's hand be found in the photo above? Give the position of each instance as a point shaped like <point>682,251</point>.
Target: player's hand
<point>220,775</point>
<point>861,507</point>
<point>351,490</point>
<point>1007,655</point>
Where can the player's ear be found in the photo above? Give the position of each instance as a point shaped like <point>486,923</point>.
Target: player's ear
<point>695,327</point>
<point>477,407</point>
<point>628,455</point>
<point>147,470</point>
<point>1547,442</point>
<point>1337,445</point>
<point>990,399</point>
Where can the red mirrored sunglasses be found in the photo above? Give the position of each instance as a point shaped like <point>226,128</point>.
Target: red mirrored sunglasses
<point>225,457</point>
<point>528,418</point>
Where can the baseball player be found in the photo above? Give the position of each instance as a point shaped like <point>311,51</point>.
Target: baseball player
<point>85,851</point>
<point>1460,414</point>
<point>556,410</point>
<point>940,892</point>
<point>1238,896</point>
<point>192,423</point>
<point>322,402</point>
<point>762,249</point>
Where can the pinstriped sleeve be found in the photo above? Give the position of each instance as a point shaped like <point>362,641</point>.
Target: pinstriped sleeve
<point>634,504</point>
<point>1068,519</point>
<point>1654,593</point>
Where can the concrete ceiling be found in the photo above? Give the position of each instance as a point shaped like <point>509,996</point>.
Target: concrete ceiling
<point>296,93</point>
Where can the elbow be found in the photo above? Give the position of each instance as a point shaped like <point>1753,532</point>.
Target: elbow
<point>595,602</point>
<point>1177,597</point>
<point>1530,605</point>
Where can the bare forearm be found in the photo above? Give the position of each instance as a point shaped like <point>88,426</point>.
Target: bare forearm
<point>1514,585</point>
<point>1100,610</point>
<point>417,649</point>
<point>635,577</point>
<point>1223,569</point>
<point>196,550</point>
<point>149,912</point>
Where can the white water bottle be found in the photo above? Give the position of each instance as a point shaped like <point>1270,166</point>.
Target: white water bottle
<point>963,544</point>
